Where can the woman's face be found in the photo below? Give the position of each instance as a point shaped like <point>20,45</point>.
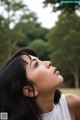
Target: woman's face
<point>44,76</point>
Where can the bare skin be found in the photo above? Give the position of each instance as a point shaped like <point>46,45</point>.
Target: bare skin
<point>42,74</point>
<point>74,106</point>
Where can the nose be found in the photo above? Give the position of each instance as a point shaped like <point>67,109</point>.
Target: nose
<point>48,64</point>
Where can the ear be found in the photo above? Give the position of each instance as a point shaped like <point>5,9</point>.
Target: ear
<point>28,91</point>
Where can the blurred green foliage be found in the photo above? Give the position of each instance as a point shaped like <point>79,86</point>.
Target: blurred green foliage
<point>65,7</point>
<point>64,45</point>
<point>40,46</point>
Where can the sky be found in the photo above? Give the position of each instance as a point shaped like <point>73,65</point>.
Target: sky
<point>46,17</point>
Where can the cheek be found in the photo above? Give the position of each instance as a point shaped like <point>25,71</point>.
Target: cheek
<point>40,75</point>
<point>42,79</point>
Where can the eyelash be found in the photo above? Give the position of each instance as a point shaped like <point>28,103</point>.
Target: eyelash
<point>36,64</point>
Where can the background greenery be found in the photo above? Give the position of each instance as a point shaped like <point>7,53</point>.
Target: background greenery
<point>60,44</point>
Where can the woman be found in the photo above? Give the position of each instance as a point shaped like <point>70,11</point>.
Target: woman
<point>28,90</point>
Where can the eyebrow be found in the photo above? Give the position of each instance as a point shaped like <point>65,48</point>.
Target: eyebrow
<point>32,61</point>
<point>29,56</point>
<point>26,61</point>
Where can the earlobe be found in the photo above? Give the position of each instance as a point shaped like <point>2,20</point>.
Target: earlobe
<point>28,91</point>
<point>36,93</point>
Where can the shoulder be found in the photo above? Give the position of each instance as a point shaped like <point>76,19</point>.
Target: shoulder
<point>73,100</point>
<point>73,104</point>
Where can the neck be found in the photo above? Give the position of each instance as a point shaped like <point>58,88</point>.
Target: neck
<point>45,103</point>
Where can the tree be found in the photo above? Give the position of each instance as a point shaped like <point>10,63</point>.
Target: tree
<point>40,32</point>
<point>40,46</point>
<point>32,30</point>
<point>27,27</point>
<point>64,44</point>
<point>23,21</point>
<point>67,7</point>
<point>10,8</point>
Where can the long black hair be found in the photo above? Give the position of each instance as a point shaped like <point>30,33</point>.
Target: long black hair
<point>12,80</point>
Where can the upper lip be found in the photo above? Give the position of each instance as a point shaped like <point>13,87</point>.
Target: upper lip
<point>55,69</point>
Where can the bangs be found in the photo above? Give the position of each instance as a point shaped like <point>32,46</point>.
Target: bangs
<point>22,51</point>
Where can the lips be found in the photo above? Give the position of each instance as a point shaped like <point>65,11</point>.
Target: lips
<point>56,72</point>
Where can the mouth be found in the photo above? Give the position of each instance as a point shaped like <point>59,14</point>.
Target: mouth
<point>56,72</point>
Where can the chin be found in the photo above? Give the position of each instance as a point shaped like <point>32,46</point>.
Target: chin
<point>61,79</point>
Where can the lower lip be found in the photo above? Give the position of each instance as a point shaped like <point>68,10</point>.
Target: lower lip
<point>57,73</point>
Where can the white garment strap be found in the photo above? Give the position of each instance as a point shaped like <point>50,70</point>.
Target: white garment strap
<point>60,111</point>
